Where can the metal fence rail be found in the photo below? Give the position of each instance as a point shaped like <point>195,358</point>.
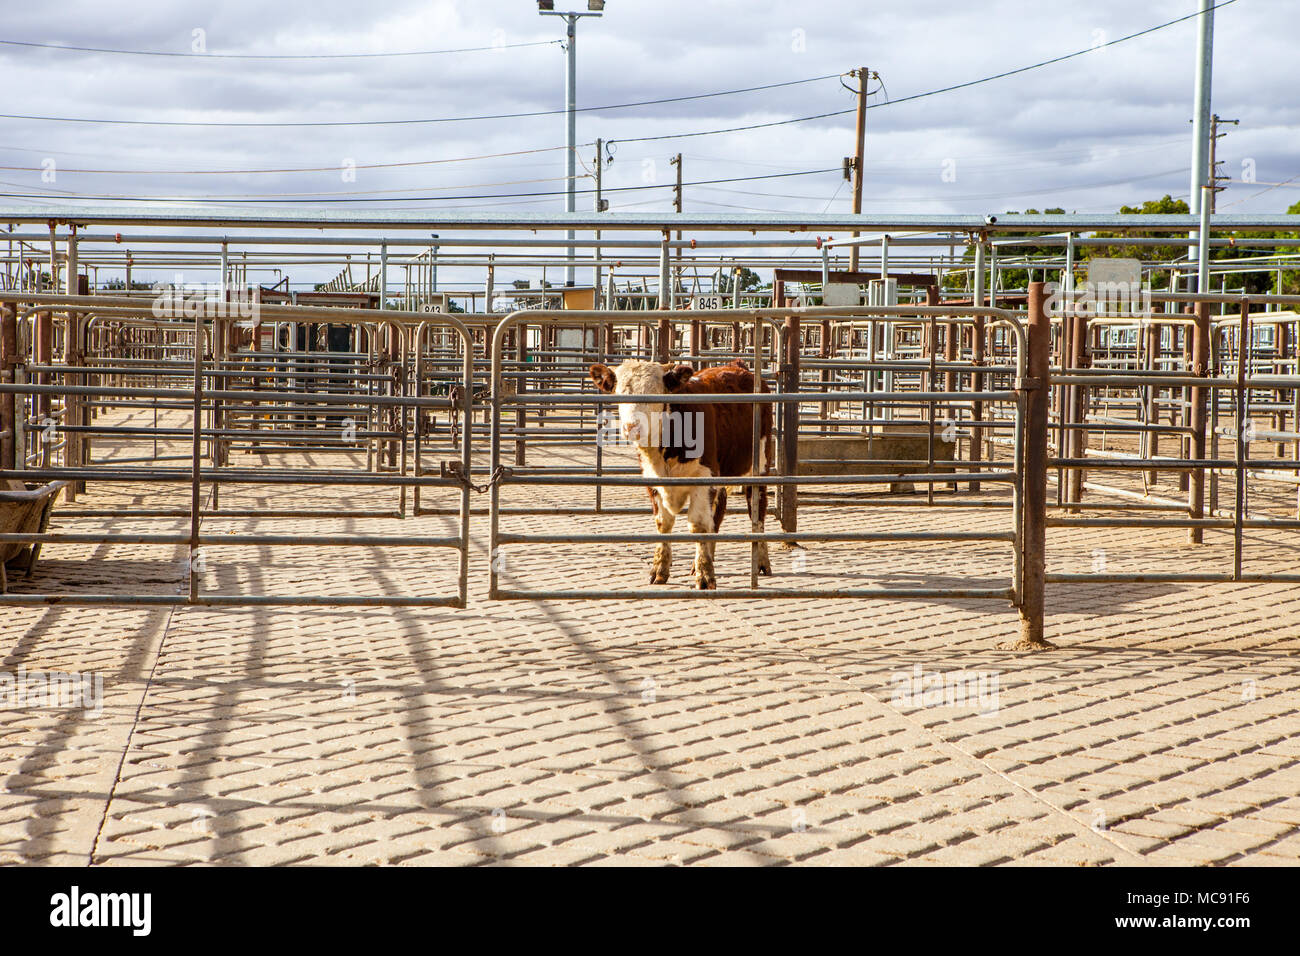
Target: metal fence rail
<point>787,397</point>
<point>206,390</point>
<point>1227,372</point>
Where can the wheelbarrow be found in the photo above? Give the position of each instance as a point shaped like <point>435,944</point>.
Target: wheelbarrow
<point>24,509</point>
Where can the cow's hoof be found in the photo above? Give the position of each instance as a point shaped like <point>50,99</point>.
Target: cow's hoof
<point>765,569</point>
<point>703,583</point>
<point>658,577</point>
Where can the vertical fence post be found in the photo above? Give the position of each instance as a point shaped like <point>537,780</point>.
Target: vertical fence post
<point>1078,437</point>
<point>1241,446</point>
<point>1199,394</point>
<point>521,386</point>
<point>1033,469</point>
<point>787,496</point>
<point>664,335</point>
<point>9,443</point>
<point>196,455</point>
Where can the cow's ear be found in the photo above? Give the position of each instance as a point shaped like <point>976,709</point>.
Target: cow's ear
<point>676,377</point>
<point>603,377</point>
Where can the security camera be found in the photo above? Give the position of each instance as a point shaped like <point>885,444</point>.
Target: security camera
<point>990,220</point>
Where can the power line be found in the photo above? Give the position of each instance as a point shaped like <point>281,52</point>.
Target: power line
<point>410,122</point>
<point>917,96</point>
<point>911,179</point>
<point>1056,59</point>
<point>1270,187</point>
<point>732,129</point>
<point>295,169</point>
<point>273,56</point>
<point>333,192</point>
<point>940,197</point>
<point>200,199</point>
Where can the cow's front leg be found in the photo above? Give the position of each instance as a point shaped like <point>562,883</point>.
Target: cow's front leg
<point>756,499</point>
<point>664,520</point>
<point>700,514</point>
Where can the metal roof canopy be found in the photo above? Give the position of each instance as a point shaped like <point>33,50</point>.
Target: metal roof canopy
<point>217,216</point>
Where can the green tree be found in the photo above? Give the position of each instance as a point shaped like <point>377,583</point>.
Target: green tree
<point>1166,205</point>
<point>1015,278</point>
<point>749,281</point>
<point>1249,245</point>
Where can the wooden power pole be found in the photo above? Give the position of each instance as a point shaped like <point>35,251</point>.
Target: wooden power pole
<point>863,74</point>
<point>1213,178</point>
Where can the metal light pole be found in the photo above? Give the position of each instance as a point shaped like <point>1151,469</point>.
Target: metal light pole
<point>594,9</point>
<point>1201,174</point>
<point>1201,116</point>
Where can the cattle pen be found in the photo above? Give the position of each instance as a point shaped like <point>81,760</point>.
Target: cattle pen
<point>927,375</point>
<point>339,515</point>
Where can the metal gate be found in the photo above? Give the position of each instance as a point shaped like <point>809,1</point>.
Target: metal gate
<point>231,396</point>
<point>776,350</point>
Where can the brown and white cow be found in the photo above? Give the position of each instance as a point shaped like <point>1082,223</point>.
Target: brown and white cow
<point>707,440</point>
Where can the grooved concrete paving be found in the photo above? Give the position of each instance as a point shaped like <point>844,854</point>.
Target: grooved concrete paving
<point>1163,731</point>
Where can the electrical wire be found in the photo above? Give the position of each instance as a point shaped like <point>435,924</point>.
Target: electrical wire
<point>1293,181</point>
<point>274,56</point>
<point>333,192</point>
<point>200,199</point>
<point>917,96</point>
<point>219,124</point>
<point>294,169</point>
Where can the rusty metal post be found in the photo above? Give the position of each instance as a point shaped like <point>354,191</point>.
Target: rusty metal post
<point>72,358</point>
<point>977,384</point>
<point>663,341</point>
<point>1241,443</point>
<point>824,353</point>
<point>788,495</point>
<point>1282,337</point>
<point>521,386</point>
<point>9,443</point>
<point>43,354</point>
<point>1078,443</point>
<point>931,339</point>
<point>1151,447</point>
<point>664,337</point>
<point>1199,395</point>
<point>1034,473</point>
<point>1185,413</point>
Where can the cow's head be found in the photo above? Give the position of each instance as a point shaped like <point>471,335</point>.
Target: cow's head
<point>641,422</point>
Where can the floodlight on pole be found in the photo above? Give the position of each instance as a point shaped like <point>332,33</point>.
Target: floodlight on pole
<point>594,9</point>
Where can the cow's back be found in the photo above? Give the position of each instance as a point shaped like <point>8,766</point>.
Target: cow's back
<point>731,424</point>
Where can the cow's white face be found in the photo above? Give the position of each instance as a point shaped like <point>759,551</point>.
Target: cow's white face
<point>641,422</point>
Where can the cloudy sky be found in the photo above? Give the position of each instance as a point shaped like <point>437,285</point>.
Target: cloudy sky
<point>1089,134</point>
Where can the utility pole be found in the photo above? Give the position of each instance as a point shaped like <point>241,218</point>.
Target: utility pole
<point>601,205</point>
<point>1215,178</point>
<point>594,9</point>
<point>571,126</point>
<point>855,164</point>
<point>1201,103</point>
<point>1200,126</point>
<point>677,207</point>
<point>677,189</point>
